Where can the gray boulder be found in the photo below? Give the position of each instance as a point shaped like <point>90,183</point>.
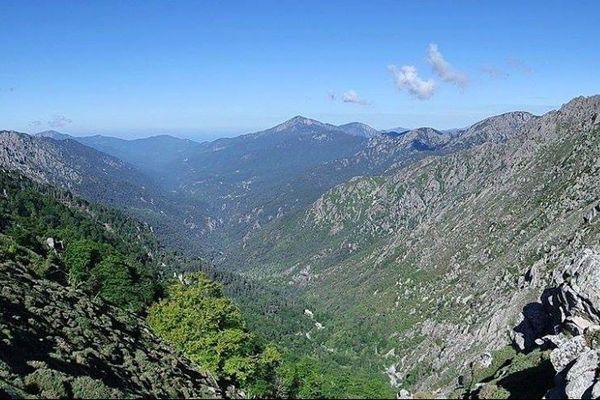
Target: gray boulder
<point>567,352</point>
<point>581,375</point>
<point>577,299</point>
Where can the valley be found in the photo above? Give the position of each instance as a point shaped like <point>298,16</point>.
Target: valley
<point>398,259</point>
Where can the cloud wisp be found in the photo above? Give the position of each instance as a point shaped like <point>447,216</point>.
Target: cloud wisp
<point>407,79</point>
<point>59,121</point>
<point>351,96</point>
<point>493,72</point>
<point>511,67</point>
<point>443,69</point>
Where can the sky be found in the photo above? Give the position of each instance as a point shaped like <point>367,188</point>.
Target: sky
<point>204,69</point>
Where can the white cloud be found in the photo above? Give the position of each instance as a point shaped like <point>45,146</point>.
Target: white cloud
<point>59,121</point>
<point>443,69</point>
<point>407,78</point>
<point>351,96</point>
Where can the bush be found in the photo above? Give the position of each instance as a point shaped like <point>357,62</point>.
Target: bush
<point>209,329</point>
<point>492,391</point>
<point>84,387</point>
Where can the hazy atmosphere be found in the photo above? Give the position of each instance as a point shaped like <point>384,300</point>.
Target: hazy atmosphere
<point>210,69</point>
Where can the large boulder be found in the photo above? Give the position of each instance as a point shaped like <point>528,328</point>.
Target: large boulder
<point>577,298</point>
<point>582,374</point>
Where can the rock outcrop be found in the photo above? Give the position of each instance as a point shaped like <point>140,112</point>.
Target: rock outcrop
<point>56,342</point>
<point>568,323</point>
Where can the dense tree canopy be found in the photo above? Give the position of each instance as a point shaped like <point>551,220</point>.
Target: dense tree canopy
<point>198,320</point>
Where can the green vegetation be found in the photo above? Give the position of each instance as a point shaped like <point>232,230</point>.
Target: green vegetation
<point>199,321</point>
<point>117,260</point>
<point>71,241</point>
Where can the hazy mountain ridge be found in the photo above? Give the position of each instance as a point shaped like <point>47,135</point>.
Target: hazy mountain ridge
<point>248,181</point>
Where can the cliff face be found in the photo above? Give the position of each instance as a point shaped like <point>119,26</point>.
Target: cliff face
<point>56,342</point>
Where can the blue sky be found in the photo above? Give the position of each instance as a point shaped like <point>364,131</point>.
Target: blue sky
<point>207,69</point>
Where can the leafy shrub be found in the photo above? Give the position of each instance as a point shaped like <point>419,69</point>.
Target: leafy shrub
<point>84,387</point>
<point>209,329</point>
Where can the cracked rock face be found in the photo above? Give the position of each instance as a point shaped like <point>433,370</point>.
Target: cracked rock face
<point>567,352</point>
<point>581,375</point>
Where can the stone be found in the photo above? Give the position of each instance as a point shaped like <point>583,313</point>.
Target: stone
<point>578,386</point>
<point>596,391</point>
<point>587,361</point>
<point>567,352</point>
<point>578,293</point>
<point>485,360</point>
<point>552,340</point>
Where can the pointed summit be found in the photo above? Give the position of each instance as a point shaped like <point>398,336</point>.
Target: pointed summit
<point>297,121</point>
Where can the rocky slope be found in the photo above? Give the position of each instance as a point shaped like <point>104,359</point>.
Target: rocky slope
<point>73,166</point>
<point>559,334</point>
<point>436,262</point>
<point>55,342</point>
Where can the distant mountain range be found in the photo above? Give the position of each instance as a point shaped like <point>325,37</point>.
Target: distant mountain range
<point>250,180</point>
<point>220,191</point>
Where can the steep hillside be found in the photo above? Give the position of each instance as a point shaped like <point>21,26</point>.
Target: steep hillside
<point>73,166</point>
<point>71,274</point>
<point>422,269</point>
<point>56,342</point>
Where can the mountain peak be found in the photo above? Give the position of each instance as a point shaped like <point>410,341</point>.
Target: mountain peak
<point>581,111</point>
<point>53,135</point>
<point>297,121</point>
